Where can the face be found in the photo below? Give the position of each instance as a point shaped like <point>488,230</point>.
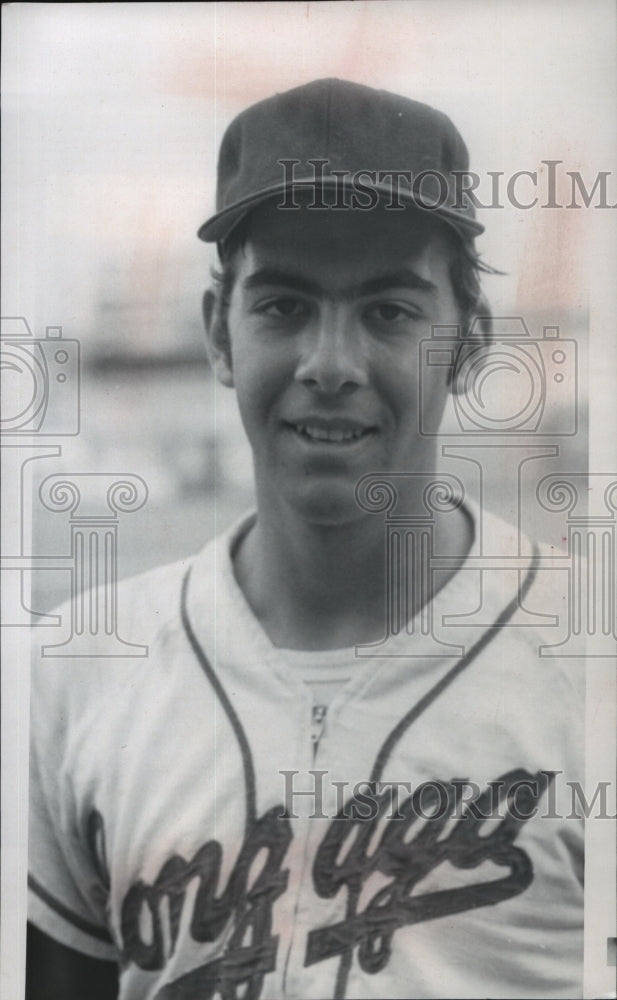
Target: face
<point>324,323</point>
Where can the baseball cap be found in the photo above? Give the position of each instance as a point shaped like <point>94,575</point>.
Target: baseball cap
<point>350,130</point>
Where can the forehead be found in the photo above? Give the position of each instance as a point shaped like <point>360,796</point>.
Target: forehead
<point>340,246</point>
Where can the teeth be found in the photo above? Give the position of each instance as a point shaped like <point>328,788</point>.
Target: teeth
<point>323,434</point>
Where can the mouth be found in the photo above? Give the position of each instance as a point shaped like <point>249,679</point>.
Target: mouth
<point>335,432</point>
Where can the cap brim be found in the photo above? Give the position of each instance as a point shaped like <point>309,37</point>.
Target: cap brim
<point>219,226</point>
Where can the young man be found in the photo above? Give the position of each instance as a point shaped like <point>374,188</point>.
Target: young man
<point>275,803</point>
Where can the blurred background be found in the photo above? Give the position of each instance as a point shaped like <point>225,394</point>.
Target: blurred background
<point>113,114</point>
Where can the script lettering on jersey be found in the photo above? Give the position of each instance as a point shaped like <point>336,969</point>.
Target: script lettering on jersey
<point>348,857</point>
<point>151,914</point>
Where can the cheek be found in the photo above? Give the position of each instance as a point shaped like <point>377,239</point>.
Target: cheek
<point>396,375</point>
<point>399,383</point>
<point>260,377</point>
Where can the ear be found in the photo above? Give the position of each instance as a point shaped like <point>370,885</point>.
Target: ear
<point>475,332</point>
<point>217,338</point>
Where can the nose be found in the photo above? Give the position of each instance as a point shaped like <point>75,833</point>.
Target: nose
<point>333,354</point>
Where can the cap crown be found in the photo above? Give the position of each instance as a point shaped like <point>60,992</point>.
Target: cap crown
<point>353,128</point>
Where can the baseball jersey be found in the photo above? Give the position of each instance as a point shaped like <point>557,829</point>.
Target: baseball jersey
<point>194,820</point>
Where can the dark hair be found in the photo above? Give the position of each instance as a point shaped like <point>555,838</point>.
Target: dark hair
<point>466,266</point>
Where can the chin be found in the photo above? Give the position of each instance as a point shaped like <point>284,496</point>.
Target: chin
<point>328,506</point>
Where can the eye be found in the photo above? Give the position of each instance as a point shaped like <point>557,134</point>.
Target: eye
<point>391,312</point>
<point>283,307</point>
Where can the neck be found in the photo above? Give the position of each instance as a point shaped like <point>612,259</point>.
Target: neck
<point>314,586</point>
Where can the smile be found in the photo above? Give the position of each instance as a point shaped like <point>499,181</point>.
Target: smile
<point>337,433</point>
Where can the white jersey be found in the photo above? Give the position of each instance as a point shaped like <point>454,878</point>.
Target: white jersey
<point>168,831</point>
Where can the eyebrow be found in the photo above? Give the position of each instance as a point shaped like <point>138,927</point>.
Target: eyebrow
<point>402,278</point>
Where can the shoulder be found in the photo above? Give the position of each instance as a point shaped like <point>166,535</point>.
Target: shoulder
<point>523,587</point>
<point>112,638</point>
<point>112,641</point>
